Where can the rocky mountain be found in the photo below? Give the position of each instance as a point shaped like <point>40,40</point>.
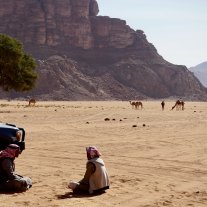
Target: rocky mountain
<point>83,56</point>
<point>200,71</point>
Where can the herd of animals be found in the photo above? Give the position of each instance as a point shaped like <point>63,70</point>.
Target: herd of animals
<point>179,104</point>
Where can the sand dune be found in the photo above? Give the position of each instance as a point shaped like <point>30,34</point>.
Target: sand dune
<point>155,158</point>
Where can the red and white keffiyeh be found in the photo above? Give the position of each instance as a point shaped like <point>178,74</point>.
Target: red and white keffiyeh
<point>11,151</point>
<point>92,152</point>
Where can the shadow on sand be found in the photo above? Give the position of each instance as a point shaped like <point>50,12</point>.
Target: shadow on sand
<point>73,195</point>
<point>10,192</point>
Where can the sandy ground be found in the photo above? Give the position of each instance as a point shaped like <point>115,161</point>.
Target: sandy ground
<point>163,163</point>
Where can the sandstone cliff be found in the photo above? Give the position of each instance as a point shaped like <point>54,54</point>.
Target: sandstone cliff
<point>85,56</point>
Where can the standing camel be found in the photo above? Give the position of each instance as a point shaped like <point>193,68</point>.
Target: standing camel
<point>132,103</point>
<point>179,105</point>
<point>136,104</point>
<point>32,102</point>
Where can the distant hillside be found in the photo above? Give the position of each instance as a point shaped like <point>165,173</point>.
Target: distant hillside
<point>200,71</point>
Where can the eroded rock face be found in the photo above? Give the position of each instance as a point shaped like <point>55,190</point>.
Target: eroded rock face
<point>111,32</point>
<point>112,60</point>
<point>62,22</point>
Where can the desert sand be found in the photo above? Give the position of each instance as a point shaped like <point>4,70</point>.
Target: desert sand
<point>154,158</point>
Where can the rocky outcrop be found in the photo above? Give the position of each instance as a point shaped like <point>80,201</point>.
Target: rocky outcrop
<point>86,56</point>
<point>63,22</point>
<point>61,78</point>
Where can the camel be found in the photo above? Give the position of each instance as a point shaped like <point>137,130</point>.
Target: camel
<point>132,103</point>
<point>32,102</point>
<point>179,105</point>
<point>139,104</point>
<point>136,104</point>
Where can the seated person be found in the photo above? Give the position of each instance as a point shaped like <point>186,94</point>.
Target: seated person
<point>96,179</point>
<point>9,180</point>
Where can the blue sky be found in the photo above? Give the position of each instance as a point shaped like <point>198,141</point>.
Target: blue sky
<point>177,28</point>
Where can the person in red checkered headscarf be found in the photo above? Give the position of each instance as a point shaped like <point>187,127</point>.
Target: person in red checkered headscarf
<point>9,180</point>
<point>96,179</point>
